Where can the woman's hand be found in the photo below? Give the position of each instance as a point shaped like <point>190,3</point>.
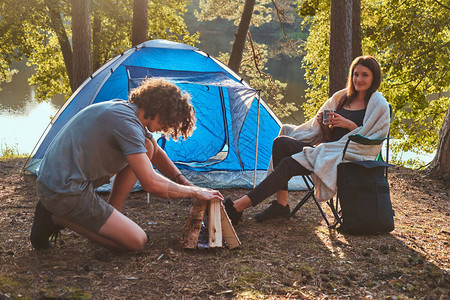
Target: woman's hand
<point>319,119</point>
<point>336,120</point>
<point>325,129</point>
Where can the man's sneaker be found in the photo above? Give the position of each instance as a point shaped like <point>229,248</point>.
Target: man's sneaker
<point>275,210</point>
<point>234,216</point>
<point>43,228</point>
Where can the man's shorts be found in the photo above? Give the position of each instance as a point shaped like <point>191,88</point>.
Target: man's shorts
<point>86,208</point>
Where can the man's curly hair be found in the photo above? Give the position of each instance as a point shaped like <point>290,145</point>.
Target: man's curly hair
<point>163,98</point>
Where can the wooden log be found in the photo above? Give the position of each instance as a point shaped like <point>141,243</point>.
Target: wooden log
<point>229,234</point>
<point>193,224</point>
<point>215,224</point>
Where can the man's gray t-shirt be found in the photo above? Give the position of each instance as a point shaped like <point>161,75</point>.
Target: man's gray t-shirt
<point>92,146</point>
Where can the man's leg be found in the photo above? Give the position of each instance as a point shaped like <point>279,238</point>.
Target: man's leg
<point>87,214</point>
<point>122,186</point>
<point>119,232</point>
<point>125,181</point>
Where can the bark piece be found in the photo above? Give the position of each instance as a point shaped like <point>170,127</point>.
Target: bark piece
<point>193,225</point>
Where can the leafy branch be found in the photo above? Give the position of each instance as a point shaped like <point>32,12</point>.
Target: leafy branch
<point>444,6</point>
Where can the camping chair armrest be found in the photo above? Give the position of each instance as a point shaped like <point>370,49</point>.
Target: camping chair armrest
<point>357,138</point>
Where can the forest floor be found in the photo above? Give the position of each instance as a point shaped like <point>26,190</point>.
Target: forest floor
<point>298,258</point>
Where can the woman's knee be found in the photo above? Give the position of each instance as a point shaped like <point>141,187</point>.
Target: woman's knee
<point>280,148</point>
<point>278,144</point>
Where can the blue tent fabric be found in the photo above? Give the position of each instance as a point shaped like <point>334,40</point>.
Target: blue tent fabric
<point>229,112</point>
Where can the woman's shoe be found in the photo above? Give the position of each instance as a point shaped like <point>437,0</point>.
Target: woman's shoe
<point>275,210</point>
<point>232,213</point>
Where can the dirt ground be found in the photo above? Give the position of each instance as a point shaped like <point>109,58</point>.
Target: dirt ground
<point>280,259</point>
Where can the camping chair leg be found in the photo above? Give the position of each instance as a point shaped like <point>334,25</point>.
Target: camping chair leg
<point>321,211</point>
<point>300,204</point>
<point>306,197</point>
<point>334,209</point>
<point>310,193</point>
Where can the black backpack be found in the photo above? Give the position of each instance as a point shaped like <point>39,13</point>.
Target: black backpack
<point>363,193</point>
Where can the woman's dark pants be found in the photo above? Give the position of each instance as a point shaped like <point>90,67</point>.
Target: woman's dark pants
<point>285,167</point>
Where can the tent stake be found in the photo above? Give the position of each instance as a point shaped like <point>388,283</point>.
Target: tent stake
<point>258,96</point>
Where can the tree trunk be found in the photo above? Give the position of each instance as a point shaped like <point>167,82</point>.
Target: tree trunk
<point>440,165</point>
<point>81,41</point>
<point>356,29</point>
<point>340,44</point>
<point>57,25</point>
<point>140,21</point>
<point>241,36</point>
<point>96,42</point>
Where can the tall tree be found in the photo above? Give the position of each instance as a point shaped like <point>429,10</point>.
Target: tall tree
<point>57,25</point>
<point>81,41</point>
<point>241,36</point>
<point>340,43</point>
<point>140,22</point>
<point>356,29</point>
<point>440,165</point>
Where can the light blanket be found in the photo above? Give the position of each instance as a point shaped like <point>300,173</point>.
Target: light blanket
<point>324,158</point>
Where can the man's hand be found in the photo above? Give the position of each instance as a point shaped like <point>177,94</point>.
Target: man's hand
<point>206,194</point>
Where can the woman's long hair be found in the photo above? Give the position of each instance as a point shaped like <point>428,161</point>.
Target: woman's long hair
<point>368,62</point>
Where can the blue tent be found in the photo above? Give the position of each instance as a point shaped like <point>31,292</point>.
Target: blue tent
<point>234,130</point>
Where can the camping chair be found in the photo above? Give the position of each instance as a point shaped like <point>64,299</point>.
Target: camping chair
<point>333,203</point>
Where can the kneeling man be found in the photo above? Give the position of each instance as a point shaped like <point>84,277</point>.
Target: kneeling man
<point>106,139</point>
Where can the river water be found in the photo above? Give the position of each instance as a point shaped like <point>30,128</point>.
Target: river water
<point>22,119</point>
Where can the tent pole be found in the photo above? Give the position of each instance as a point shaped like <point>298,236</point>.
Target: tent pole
<point>258,96</point>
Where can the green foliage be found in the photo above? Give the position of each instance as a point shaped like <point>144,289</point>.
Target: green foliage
<point>315,62</point>
<point>26,32</point>
<point>50,76</point>
<point>411,41</point>
<point>307,8</point>
<point>115,23</point>
<point>232,10</point>
<point>173,28</point>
